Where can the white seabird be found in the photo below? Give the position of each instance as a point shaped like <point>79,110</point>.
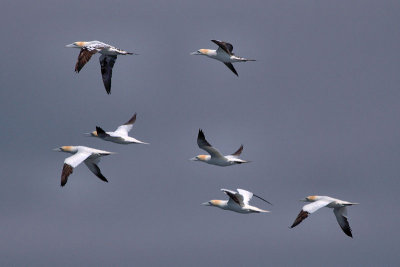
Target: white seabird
<point>215,157</point>
<point>108,57</point>
<point>338,206</point>
<point>120,135</point>
<point>223,54</point>
<point>90,156</point>
<point>238,202</point>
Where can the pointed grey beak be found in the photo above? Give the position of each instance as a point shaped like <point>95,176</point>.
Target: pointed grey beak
<point>57,149</point>
<point>194,159</point>
<point>206,204</point>
<point>71,45</point>
<point>88,134</point>
<point>303,200</point>
<point>196,53</point>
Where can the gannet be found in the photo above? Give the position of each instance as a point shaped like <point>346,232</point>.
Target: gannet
<point>338,206</point>
<point>238,202</point>
<point>215,157</point>
<point>223,54</point>
<point>120,135</point>
<point>90,156</point>
<point>107,59</point>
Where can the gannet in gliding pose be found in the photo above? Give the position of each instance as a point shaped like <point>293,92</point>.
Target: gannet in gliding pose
<point>215,157</point>
<point>223,54</point>
<point>107,59</point>
<point>90,156</point>
<point>238,202</point>
<point>317,202</point>
<point>120,135</point>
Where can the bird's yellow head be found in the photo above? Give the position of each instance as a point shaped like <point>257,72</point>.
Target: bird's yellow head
<point>311,198</point>
<point>203,51</point>
<point>77,44</point>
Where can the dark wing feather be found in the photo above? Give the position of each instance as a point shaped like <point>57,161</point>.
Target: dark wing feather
<point>66,171</point>
<point>201,139</point>
<point>238,152</point>
<point>302,215</point>
<point>83,58</point>
<point>107,63</point>
<point>230,66</point>
<point>96,170</point>
<point>131,120</point>
<point>234,198</point>
<point>227,47</point>
<point>342,220</point>
<point>100,132</point>
<point>262,199</point>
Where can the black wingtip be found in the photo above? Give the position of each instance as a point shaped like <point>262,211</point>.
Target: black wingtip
<point>131,120</point>
<point>201,134</point>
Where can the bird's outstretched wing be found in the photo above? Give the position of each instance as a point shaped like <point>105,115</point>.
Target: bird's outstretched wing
<point>203,144</point>
<point>84,56</point>
<point>341,217</point>
<point>107,63</point>
<point>70,163</point>
<point>227,47</point>
<point>91,163</point>
<point>127,126</point>
<point>308,209</point>
<point>230,66</point>
<point>101,133</point>
<point>235,197</point>
<point>238,152</point>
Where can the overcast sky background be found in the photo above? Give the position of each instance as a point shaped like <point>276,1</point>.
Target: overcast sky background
<point>317,113</point>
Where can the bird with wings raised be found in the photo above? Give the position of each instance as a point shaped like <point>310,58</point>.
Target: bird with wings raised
<point>87,155</point>
<point>238,202</point>
<point>215,157</point>
<point>120,135</point>
<point>317,202</point>
<point>108,57</point>
<point>223,53</point>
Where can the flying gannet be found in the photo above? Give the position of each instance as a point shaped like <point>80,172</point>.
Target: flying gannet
<point>238,202</point>
<point>120,135</point>
<point>107,59</point>
<point>317,202</point>
<point>215,157</point>
<point>223,54</point>
<point>90,156</point>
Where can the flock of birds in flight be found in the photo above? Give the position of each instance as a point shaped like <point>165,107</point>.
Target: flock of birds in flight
<point>238,201</point>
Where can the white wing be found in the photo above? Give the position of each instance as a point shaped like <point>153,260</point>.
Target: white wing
<point>341,217</point>
<point>126,127</point>
<point>246,195</point>
<point>308,209</point>
<point>77,159</point>
<point>314,206</point>
<point>70,163</point>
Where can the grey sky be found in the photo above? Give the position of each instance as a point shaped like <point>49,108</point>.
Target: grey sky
<point>317,113</point>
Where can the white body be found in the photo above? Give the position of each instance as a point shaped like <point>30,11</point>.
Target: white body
<point>219,160</point>
<point>121,139</point>
<point>238,202</point>
<point>102,48</point>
